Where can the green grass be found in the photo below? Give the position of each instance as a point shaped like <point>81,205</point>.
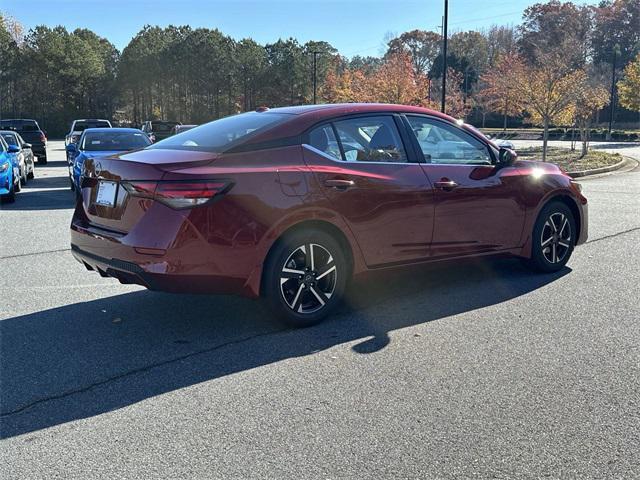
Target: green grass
<point>569,160</point>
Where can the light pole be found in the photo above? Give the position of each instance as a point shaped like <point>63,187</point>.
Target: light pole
<point>612,105</point>
<point>315,75</point>
<point>444,55</point>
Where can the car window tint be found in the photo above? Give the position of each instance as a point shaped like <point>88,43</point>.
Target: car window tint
<point>371,139</point>
<point>444,143</point>
<point>323,139</point>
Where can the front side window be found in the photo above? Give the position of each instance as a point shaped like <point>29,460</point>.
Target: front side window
<point>223,134</point>
<point>371,139</point>
<point>446,144</point>
<point>113,141</point>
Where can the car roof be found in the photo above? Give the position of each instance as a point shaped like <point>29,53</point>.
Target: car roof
<point>116,129</point>
<point>9,131</point>
<point>91,120</point>
<point>305,116</point>
<point>18,120</point>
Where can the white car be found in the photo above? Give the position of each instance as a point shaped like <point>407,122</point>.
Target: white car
<point>79,126</point>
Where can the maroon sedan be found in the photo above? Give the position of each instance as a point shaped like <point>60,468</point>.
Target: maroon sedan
<point>291,203</point>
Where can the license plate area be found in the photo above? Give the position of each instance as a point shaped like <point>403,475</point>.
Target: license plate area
<point>106,195</point>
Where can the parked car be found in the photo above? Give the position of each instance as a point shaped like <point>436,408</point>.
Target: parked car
<point>78,126</point>
<point>158,129</point>
<point>9,174</point>
<point>24,155</point>
<point>181,128</point>
<point>262,204</point>
<point>102,142</point>
<point>31,133</point>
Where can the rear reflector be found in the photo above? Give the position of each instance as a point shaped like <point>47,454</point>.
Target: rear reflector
<point>177,193</point>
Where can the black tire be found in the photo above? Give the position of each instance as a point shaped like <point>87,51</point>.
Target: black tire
<point>551,244</point>
<point>18,186</point>
<point>11,196</point>
<point>72,185</point>
<point>318,289</point>
<point>42,160</point>
<point>25,176</point>
<point>31,174</point>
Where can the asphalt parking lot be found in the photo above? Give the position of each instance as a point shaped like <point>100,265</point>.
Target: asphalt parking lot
<point>461,370</point>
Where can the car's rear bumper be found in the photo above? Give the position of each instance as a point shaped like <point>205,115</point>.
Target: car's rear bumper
<point>39,148</point>
<point>170,270</point>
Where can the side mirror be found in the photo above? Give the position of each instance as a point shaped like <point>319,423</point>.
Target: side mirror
<point>506,157</point>
<point>26,146</point>
<point>71,148</point>
<point>13,149</point>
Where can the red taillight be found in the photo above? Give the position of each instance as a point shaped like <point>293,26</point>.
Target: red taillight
<point>43,138</point>
<point>178,194</point>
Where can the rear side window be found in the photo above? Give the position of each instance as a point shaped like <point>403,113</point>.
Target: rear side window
<point>323,139</point>
<point>223,134</point>
<point>371,139</point>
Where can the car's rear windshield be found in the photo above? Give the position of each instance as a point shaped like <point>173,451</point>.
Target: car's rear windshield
<point>113,141</point>
<point>163,126</point>
<point>20,125</point>
<point>10,138</point>
<point>80,126</point>
<point>223,134</point>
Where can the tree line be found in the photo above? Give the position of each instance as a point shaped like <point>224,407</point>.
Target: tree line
<point>555,68</point>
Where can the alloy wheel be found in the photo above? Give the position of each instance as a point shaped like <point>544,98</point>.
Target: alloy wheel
<point>555,239</point>
<point>308,278</point>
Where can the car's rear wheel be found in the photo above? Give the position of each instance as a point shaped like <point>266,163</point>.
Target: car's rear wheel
<point>305,277</point>
<point>30,175</point>
<point>554,236</point>
<point>11,196</point>
<point>18,183</point>
<point>42,160</point>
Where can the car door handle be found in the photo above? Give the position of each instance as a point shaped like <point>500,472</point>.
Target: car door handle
<point>445,184</point>
<point>339,184</point>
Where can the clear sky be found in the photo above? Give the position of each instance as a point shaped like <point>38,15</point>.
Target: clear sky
<point>354,27</point>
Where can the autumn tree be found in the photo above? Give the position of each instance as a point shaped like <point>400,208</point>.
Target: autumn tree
<point>396,82</point>
<point>629,86</point>
<point>589,98</point>
<point>422,47</point>
<point>344,85</point>
<point>498,93</point>
<point>553,26</point>
<point>547,91</point>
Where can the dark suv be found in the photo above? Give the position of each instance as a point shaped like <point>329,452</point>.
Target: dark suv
<point>31,133</point>
<point>159,129</point>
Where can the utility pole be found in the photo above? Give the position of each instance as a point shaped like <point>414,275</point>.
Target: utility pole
<point>444,55</point>
<point>315,75</point>
<point>612,105</point>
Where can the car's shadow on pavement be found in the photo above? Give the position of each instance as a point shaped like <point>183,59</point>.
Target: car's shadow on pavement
<point>89,358</point>
<point>47,198</point>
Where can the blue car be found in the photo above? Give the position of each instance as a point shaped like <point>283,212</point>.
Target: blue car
<point>9,172</point>
<point>101,142</point>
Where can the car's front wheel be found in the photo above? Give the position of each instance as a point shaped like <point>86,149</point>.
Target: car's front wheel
<point>42,160</point>
<point>305,277</point>
<point>554,236</point>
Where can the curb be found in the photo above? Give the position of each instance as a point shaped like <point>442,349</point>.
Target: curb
<point>596,171</point>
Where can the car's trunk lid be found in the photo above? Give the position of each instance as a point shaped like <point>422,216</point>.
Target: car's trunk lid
<point>126,210</point>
